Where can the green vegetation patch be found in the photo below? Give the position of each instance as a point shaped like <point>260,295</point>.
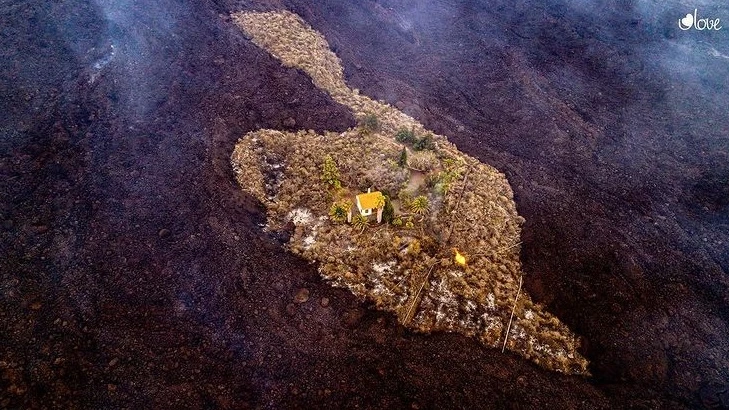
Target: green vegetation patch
<point>405,264</point>
<point>429,204</point>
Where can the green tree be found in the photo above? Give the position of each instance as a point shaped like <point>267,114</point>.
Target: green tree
<point>419,205</point>
<point>330,173</point>
<point>339,210</point>
<point>403,161</point>
<point>405,135</point>
<point>388,213</point>
<point>380,201</point>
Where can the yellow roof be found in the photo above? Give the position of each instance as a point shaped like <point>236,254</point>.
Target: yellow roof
<point>368,200</point>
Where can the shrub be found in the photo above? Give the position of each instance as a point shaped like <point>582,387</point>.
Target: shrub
<point>414,247</point>
<point>360,222</point>
<point>442,180</point>
<point>432,179</point>
<point>397,221</point>
<point>406,136</point>
<point>429,245</point>
<point>405,197</point>
<point>424,143</point>
<point>423,161</point>
<point>370,123</point>
<point>402,162</point>
<point>409,223</point>
<point>449,164</point>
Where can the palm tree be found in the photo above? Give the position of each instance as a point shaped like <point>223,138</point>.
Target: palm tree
<point>419,205</point>
<point>360,222</point>
<point>338,211</point>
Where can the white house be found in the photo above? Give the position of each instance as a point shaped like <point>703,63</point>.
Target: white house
<point>369,202</point>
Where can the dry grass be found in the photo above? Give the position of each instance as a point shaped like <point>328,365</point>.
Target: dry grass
<point>410,272</point>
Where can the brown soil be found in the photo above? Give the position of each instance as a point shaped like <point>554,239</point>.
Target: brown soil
<point>135,274</point>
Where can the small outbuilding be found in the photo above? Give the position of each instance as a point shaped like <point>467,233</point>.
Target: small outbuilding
<point>369,202</point>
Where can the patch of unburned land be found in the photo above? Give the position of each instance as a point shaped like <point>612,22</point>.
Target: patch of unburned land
<point>443,202</point>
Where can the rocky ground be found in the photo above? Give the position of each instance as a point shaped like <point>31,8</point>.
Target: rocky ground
<point>134,273</point>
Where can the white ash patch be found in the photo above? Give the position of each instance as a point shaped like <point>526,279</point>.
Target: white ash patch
<point>491,322</point>
<point>448,309</point>
<point>381,290</point>
<point>336,281</point>
<point>491,301</point>
<point>446,302</point>
<point>539,347</point>
<point>383,268</point>
<point>300,216</point>
<point>310,240</point>
<point>518,332</point>
<point>380,281</point>
<point>469,317</point>
<point>273,176</point>
<point>358,289</point>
